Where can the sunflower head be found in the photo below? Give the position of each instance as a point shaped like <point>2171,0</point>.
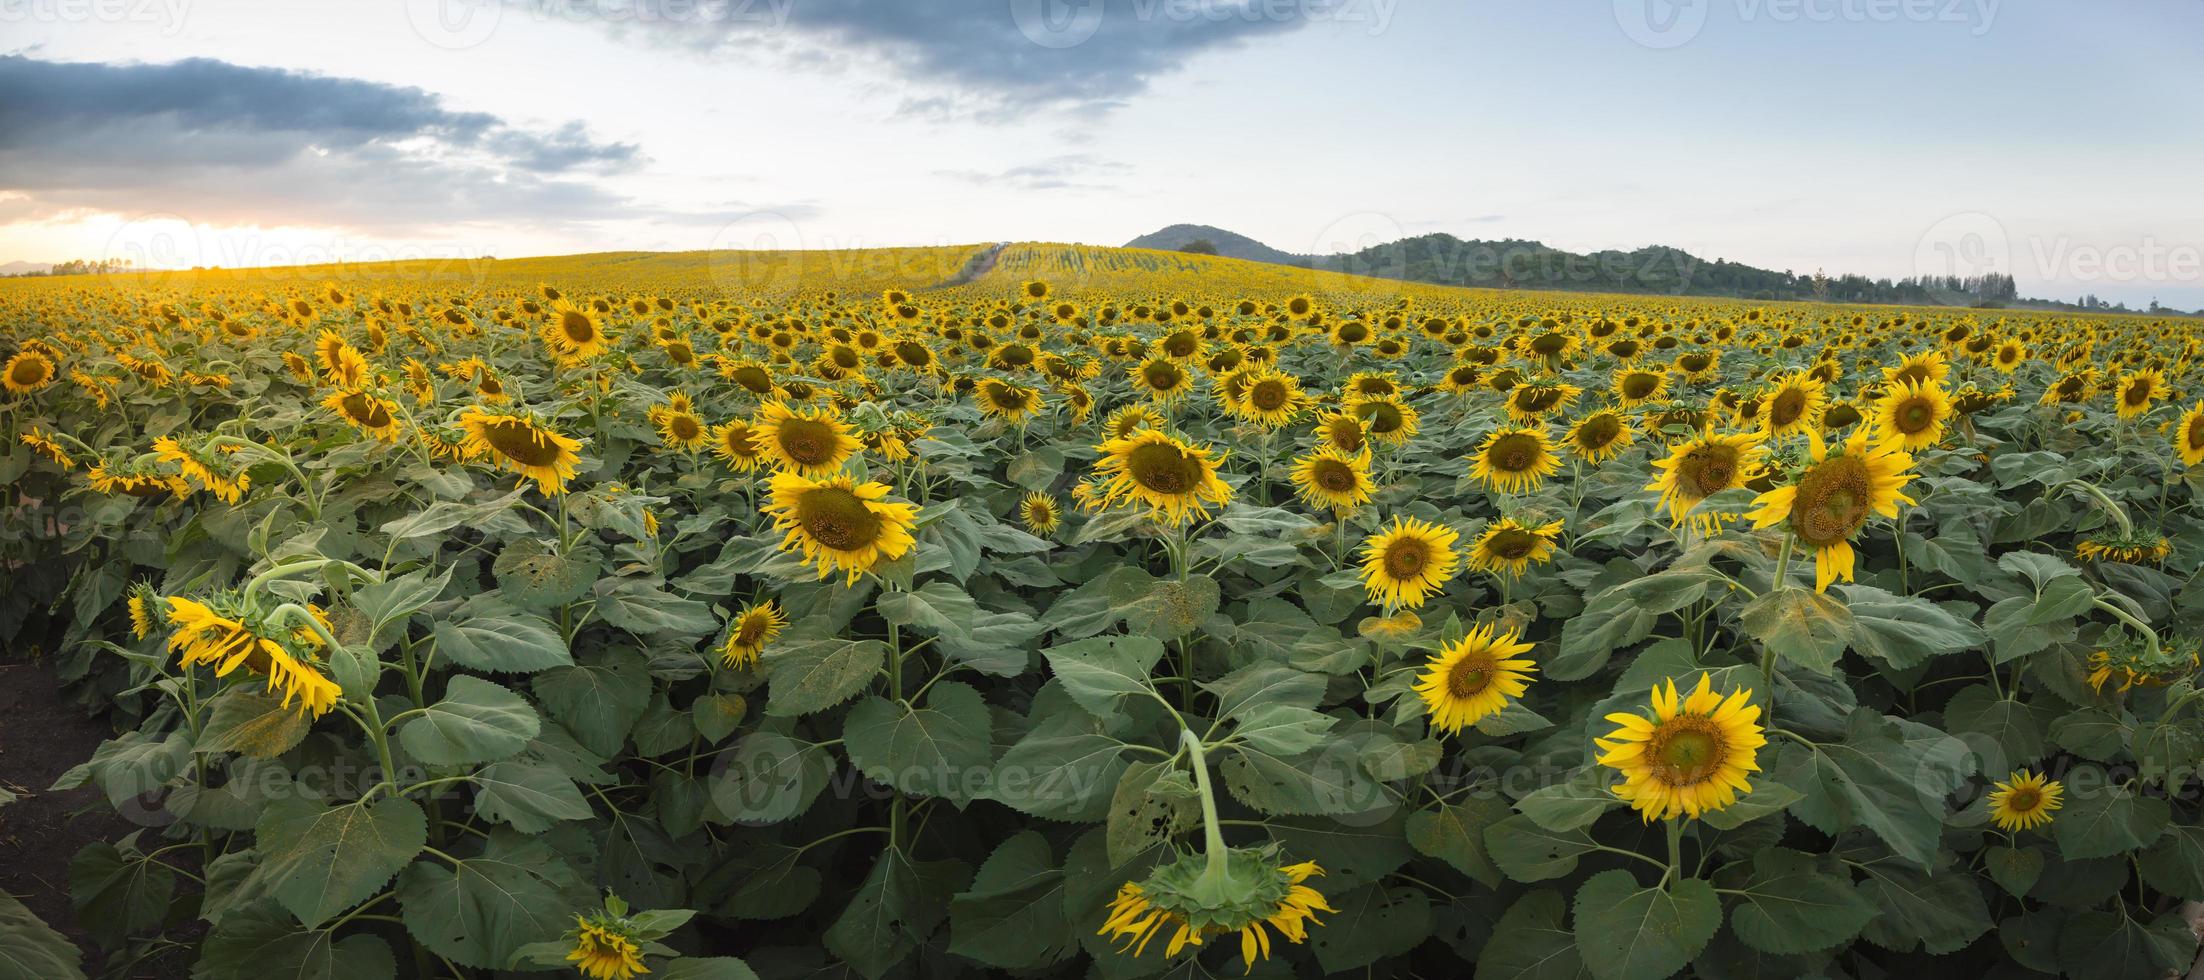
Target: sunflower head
<point>748,635</point>
<point>1599,435</point>
<point>1041,513</point>
<point>1510,547</point>
<point>1687,754</point>
<point>1832,498</point>
<point>840,524</point>
<point>808,442</point>
<point>1332,479</point>
<point>520,443</point>
<point>2133,661</point>
<point>1198,897</point>
<point>1514,460</point>
<point>1174,479</point>
<point>27,371</point>
<point>1407,562</point>
<point>2025,800</point>
<point>1703,467</point>
<point>1474,678</point>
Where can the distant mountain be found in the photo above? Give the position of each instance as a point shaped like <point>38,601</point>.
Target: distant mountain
<point>22,268</point>
<point>1231,245</point>
<point>1658,269</point>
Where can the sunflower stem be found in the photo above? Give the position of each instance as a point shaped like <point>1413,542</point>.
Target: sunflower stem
<point>1212,832</point>
<point>1675,830</point>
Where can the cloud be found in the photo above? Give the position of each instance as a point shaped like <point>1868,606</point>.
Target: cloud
<point>1077,171</point>
<point>997,55</point>
<point>232,144</point>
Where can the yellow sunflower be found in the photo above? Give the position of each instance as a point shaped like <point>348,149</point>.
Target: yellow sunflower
<point>206,637</point>
<point>1407,562</point>
<point>839,523</point>
<point>751,631</point>
<point>1253,893</point>
<point>1539,400</point>
<point>1832,499</point>
<point>1343,432</point>
<point>1040,513</point>
<point>1013,403</point>
<point>736,443</point>
<point>1600,435</point>
<point>1795,404</point>
<point>1474,678</point>
<point>1173,479</point>
<point>1514,460</point>
<point>1637,386</point>
<point>604,951</point>
<point>1162,378</point>
<point>1329,478</point>
<point>1687,755</point>
<point>1510,548</point>
<point>2138,389</point>
<point>1703,467</point>
<point>28,371</point>
<point>808,442</point>
<point>2188,436</point>
<point>365,411</point>
<point>574,333</point>
<point>678,426</point>
<point>1912,416</point>
<point>1269,398</point>
<point>520,444</point>
<point>2024,801</point>
<point>1388,421</point>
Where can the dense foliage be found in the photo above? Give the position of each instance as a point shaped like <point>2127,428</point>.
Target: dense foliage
<point>756,616</point>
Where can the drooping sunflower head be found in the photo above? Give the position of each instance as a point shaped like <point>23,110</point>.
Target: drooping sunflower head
<point>809,442</point>
<point>1041,513</point>
<point>605,947</point>
<point>43,443</point>
<point>1508,547</point>
<point>1407,562</point>
<point>1173,479</point>
<point>1474,678</point>
<point>2025,800</point>
<point>1329,478</point>
<point>1832,499</point>
<point>748,635</point>
<point>520,443</point>
<point>1514,460</point>
<point>1703,467</point>
<point>225,632</point>
<point>1687,754</point>
<point>1600,435</point>
<point>1252,894</point>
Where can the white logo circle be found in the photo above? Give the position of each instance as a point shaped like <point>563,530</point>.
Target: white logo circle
<point>454,25</point>
<point>1965,245</point>
<point>1662,24</point>
<point>1057,23</point>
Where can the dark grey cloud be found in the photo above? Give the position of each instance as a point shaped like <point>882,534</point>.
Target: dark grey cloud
<point>998,54</point>
<point>227,143</point>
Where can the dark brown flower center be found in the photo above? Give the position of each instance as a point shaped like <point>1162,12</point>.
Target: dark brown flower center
<point>1164,469</point>
<point>836,518</point>
<point>520,441</point>
<point>1833,500</point>
<point>1686,750</point>
<point>1471,675</point>
<point>1407,558</point>
<point>1708,470</point>
<point>1514,453</point>
<point>808,442</point>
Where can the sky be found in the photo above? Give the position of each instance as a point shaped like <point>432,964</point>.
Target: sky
<point>2053,140</point>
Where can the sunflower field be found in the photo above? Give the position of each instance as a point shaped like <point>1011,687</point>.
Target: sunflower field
<point>1101,613</point>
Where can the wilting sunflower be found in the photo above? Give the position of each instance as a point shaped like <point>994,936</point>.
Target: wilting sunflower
<point>2024,801</point>
<point>521,444</point>
<point>1474,677</point>
<point>1013,403</point>
<point>1912,416</point>
<point>1173,479</point>
<point>1329,478</point>
<point>840,523</point>
<point>678,426</point>
<point>1703,467</point>
<point>1407,562</point>
<point>1599,436</point>
<point>1510,548</point>
<point>28,371</point>
<point>2138,662</point>
<point>1687,755</point>
<point>1040,513</point>
<point>808,442</point>
<point>605,948</point>
<point>43,444</point>
<point>2188,436</point>
<point>1795,404</point>
<point>143,484</point>
<point>365,411</point>
<point>1514,460</point>
<point>1251,891</point>
<point>1638,386</point>
<point>203,464</point>
<point>1832,499</point>
<point>2138,389</point>
<point>2135,548</point>
<point>573,333</point>
<point>736,443</point>
<point>205,636</point>
<point>750,632</point>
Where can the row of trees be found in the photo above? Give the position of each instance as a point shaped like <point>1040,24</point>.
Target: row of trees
<point>80,267</point>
